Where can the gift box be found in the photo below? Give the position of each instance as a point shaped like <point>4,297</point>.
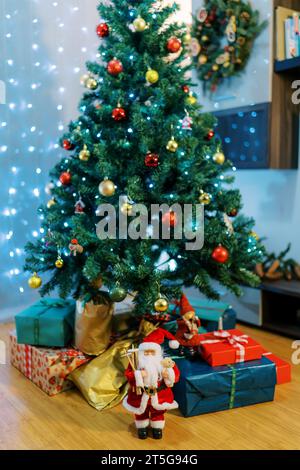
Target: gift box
<point>47,368</point>
<point>283,368</point>
<point>93,326</point>
<point>214,315</point>
<point>205,389</point>
<point>229,347</point>
<point>49,322</point>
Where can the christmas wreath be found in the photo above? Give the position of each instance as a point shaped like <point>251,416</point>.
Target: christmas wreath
<point>223,34</point>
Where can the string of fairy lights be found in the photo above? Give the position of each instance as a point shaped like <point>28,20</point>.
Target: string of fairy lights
<point>40,65</point>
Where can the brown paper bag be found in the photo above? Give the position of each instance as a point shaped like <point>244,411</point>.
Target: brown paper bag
<point>93,326</point>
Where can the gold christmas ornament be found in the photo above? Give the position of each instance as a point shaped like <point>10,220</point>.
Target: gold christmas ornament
<point>139,24</point>
<point>172,145</point>
<point>51,203</point>
<point>35,281</point>
<point>215,67</point>
<point>204,198</point>
<point>59,263</point>
<point>107,188</point>
<point>226,65</point>
<point>191,99</point>
<point>126,208</point>
<point>85,154</point>
<point>91,83</point>
<point>152,76</point>
<point>219,158</point>
<point>187,39</point>
<point>202,59</point>
<point>161,305</point>
<point>254,235</point>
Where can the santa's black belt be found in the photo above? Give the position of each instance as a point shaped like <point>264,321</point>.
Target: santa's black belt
<point>152,390</point>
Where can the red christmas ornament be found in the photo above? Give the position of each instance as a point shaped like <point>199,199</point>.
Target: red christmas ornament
<point>152,160</point>
<point>65,178</point>
<point>67,144</point>
<point>186,88</point>
<point>220,254</point>
<point>170,218</point>
<point>233,213</point>
<point>174,45</point>
<point>119,114</point>
<point>102,30</point>
<point>114,67</point>
<point>210,135</point>
<point>74,241</point>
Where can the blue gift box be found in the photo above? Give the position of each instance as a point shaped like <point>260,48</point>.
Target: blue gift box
<point>49,322</point>
<point>205,389</point>
<point>214,315</point>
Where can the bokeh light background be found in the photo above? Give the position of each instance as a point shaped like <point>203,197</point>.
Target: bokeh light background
<point>44,45</point>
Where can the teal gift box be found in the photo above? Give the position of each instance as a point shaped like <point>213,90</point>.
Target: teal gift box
<point>49,322</point>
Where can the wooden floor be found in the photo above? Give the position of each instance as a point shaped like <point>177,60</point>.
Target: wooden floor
<point>29,419</point>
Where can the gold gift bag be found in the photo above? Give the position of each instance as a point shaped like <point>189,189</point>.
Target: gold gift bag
<point>93,326</point>
<point>102,381</point>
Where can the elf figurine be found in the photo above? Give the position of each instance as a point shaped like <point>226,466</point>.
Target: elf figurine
<point>151,380</point>
<point>187,333</point>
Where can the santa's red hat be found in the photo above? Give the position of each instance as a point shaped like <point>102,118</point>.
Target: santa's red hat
<point>156,338</point>
<point>185,306</point>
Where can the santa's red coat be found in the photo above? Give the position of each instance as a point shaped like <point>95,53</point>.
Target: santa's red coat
<point>184,329</point>
<point>162,400</point>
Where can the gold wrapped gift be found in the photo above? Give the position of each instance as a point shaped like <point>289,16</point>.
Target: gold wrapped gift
<point>102,381</point>
<point>93,326</point>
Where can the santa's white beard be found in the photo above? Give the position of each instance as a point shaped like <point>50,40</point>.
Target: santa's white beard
<point>152,365</point>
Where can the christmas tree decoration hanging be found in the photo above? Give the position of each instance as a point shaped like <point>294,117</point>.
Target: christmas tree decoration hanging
<point>204,198</point>
<point>65,178</point>
<point>170,219</point>
<point>220,255</point>
<point>172,145</point>
<point>102,30</point>
<point>118,294</point>
<point>139,24</point>
<point>114,67</point>
<point>185,88</point>
<point>233,213</point>
<point>119,114</point>
<point>75,248</point>
<point>174,45</point>
<point>67,144</point>
<point>59,263</point>
<point>126,205</point>
<point>85,154</point>
<point>219,158</point>
<point>161,305</point>
<point>51,203</point>
<point>107,188</point>
<point>187,122</point>
<point>191,99</point>
<point>35,281</point>
<point>210,135</point>
<point>152,160</point>
<point>79,206</point>
<point>91,83</point>
<point>152,76</point>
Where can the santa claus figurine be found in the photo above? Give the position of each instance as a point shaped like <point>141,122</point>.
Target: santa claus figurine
<point>151,381</point>
<point>187,333</point>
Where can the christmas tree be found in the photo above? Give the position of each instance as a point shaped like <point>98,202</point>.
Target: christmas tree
<point>141,136</point>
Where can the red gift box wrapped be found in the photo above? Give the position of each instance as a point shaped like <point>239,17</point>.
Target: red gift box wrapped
<point>283,368</point>
<point>47,368</point>
<point>229,347</point>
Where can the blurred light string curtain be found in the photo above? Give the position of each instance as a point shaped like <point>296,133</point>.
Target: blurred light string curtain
<point>44,45</point>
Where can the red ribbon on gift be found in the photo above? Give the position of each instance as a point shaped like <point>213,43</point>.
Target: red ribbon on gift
<point>234,340</point>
